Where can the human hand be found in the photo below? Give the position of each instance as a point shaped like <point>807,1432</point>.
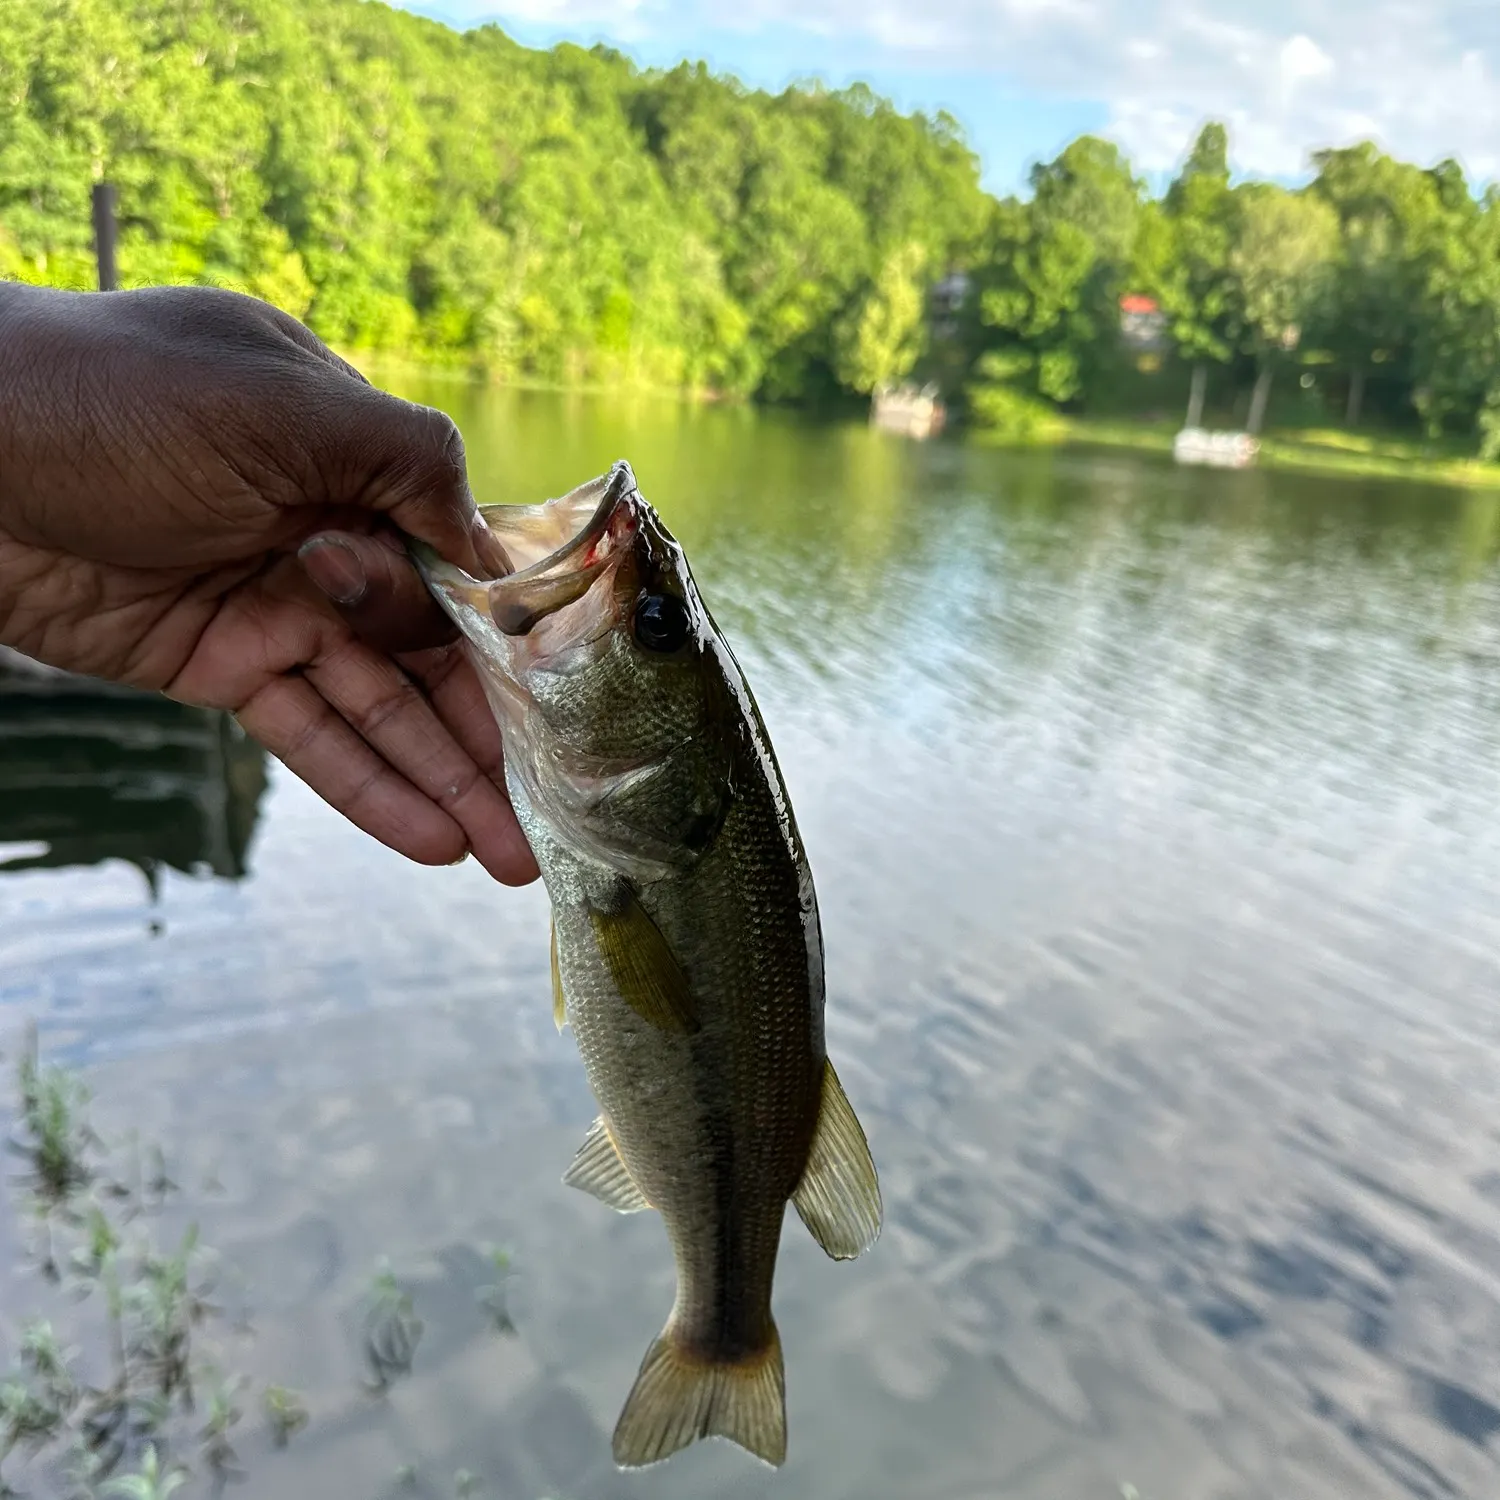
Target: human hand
<point>164,456</point>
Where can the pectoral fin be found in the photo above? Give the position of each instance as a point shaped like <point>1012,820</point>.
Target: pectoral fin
<point>597,1169</point>
<point>839,1196</point>
<point>559,1004</point>
<point>644,969</point>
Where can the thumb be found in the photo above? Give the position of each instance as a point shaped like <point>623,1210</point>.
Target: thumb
<point>406,462</point>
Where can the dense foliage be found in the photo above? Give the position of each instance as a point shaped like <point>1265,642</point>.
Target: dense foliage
<point>1379,281</point>
<point>562,215</point>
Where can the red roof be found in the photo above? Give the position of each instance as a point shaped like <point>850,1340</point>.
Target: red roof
<point>1134,304</point>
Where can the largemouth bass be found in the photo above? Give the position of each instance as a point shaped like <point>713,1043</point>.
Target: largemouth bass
<point>686,948</point>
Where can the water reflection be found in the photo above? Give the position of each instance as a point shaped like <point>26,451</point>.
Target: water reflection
<point>1154,816</point>
<point>90,773</point>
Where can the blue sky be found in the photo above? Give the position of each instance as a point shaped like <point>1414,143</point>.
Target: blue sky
<point>1024,76</point>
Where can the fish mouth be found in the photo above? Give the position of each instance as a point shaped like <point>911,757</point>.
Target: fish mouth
<point>556,551</point>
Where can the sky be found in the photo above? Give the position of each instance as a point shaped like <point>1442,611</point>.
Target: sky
<point>1025,76</point>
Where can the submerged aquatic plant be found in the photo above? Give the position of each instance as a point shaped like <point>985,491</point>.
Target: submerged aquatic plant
<point>56,1138</point>
<point>149,1482</point>
<point>285,1413</point>
<point>164,1308</point>
<point>152,1301</point>
<point>116,1439</point>
<point>37,1401</point>
<point>224,1414</point>
<point>101,1241</point>
<point>494,1298</point>
<point>392,1329</point>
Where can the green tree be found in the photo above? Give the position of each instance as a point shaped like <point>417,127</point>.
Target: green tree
<point>1279,264</point>
<point>1090,187</point>
<point>879,337</point>
<point>1389,213</point>
<point>556,214</point>
<point>1050,280</point>
<point>1456,349</point>
<point>1182,257</point>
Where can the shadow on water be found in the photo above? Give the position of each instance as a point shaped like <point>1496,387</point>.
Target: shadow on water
<point>90,772</point>
<point>1153,817</point>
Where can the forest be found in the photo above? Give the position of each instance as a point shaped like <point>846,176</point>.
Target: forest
<point>563,216</point>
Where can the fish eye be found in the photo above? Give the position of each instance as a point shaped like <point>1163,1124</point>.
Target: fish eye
<point>661,622</point>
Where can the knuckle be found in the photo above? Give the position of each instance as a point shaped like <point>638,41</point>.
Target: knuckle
<point>364,788</point>
<point>440,449</point>
<point>373,717</point>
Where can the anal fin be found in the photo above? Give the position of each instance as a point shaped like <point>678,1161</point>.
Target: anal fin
<point>598,1169</point>
<point>839,1195</point>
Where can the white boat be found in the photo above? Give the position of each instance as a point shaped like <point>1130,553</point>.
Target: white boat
<point>1218,450</point>
<point>915,411</point>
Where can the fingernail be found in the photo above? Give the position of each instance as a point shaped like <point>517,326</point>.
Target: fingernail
<point>335,568</point>
<point>487,549</point>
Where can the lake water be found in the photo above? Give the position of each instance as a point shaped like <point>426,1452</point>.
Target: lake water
<point>1155,817</point>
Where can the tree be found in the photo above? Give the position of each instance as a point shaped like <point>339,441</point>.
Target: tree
<point>1284,247</point>
<point>1182,253</point>
<point>1050,278</point>
<point>1091,188</point>
<point>558,214</point>
<point>1456,349</point>
<point>879,338</point>
<point>1388,213</point>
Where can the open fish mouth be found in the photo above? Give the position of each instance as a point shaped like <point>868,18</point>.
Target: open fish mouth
<point>559,534</point>
<point>556,551</point>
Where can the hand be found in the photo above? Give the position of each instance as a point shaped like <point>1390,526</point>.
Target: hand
<point>164,456</point>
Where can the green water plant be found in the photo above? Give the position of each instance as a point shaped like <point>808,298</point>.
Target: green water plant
<point>494,1297</point>
<point>150,1482</point>
<point>392,1329</point>
<point>152,1304</point>
<point>285,1413</point>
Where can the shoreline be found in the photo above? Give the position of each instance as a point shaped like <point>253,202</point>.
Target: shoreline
<point>1333,451</point>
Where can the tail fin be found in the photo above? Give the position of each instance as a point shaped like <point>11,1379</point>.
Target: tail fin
<point>678,1398</point>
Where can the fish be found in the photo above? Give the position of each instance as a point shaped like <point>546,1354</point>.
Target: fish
<point>686,950</point>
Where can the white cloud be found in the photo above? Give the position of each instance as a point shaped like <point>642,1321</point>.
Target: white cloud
<point>1301,58</point>
<point>1285,75</point>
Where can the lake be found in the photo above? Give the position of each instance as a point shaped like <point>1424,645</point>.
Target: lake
<point>1155,817</point>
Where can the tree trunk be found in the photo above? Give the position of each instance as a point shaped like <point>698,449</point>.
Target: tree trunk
<point>1258,398</point>
<point>1196,394</point>
<point>1356,398</point>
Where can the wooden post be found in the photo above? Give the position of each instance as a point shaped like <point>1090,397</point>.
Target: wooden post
<point>104,234</point>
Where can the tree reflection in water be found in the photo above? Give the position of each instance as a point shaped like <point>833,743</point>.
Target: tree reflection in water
<point>91,772</point>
